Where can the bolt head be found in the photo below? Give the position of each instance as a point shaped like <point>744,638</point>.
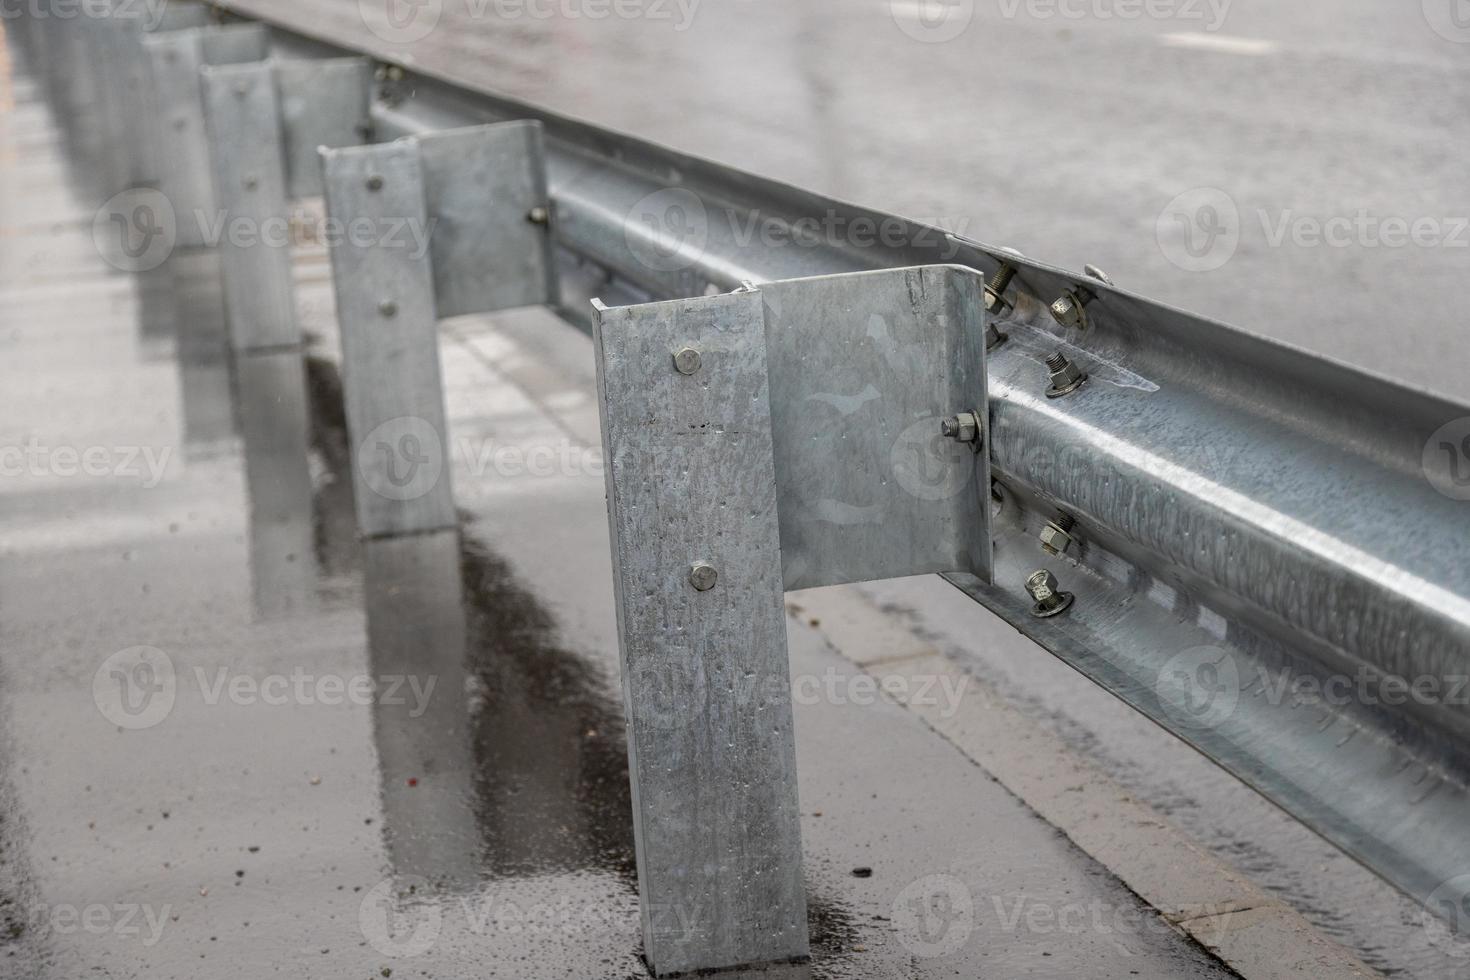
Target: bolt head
<point>538,215</point>
<point>703,577</point>
<point>687,360</point>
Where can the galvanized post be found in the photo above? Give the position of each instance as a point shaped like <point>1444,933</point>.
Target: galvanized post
<point>697,573</point>
<point>803,433</point>
<point>177,56</point>
<point>244,123</point>
<point>390,350</point>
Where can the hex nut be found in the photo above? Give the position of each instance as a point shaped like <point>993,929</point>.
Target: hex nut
<point>964,427</point>
<point>1054,540</point>
<point>703,577</point>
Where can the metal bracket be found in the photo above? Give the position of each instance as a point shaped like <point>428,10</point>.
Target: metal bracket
<point>485,190</point>
<point>783,436</point>
<point>177,57</point>
<point>263,118</point>
<point>454,235</point>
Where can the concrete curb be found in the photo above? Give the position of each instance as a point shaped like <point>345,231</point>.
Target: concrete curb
<point>1256,935</point>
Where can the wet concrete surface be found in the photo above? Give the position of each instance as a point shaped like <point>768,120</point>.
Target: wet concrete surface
<point>237,741</point>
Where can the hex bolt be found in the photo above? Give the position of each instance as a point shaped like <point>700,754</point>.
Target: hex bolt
<point>375,183</point>
<point>994,337</point>
<point>686,360</point>
<point>1066,377</point>
<point>1056,537</point>
<point>388,308</point>
<point>703,577</point>
<point>995,289</point>
<point>1050,599</point>
<point>1068,309</point>
<point>539,215</point>
<point>964,427</point>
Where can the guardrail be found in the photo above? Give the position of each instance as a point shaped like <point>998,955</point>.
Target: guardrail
<point>1266,552</point>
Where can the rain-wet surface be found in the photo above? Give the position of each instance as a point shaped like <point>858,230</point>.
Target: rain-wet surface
<point>237,741</point>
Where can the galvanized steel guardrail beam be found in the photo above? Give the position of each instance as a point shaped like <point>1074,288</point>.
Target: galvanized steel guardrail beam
<point>1265,551</point>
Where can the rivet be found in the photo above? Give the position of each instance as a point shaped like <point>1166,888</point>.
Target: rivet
<point>703,577</point>
<point>375,183</point>
<point>538,215</point>
<point>388,308</point>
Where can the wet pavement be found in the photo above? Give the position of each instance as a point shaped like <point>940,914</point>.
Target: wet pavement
<point>237,741</point>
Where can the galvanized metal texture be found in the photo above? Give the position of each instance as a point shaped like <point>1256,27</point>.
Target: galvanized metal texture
<point>323,103</point>
<point>482,186</point>
<point>692,504</point>
<point>390,350</point>
<point>863,367</point>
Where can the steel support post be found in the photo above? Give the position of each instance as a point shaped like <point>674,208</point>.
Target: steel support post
<point>697,573</point>
<point>445,225</point>
<point>244,125</point>
<point>390,348</point>
<point>771,438</point>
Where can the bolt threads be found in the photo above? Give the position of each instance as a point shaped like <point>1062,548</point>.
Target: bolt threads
<point>1066,522</point>
<point>1056,362</point>
<point>1002,279</point>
